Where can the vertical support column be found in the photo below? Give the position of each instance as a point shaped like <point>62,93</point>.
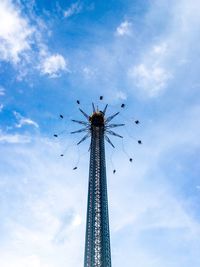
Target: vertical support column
<point>97,242</point>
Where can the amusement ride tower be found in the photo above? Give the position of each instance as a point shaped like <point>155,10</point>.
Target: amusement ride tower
<point>97,239</point>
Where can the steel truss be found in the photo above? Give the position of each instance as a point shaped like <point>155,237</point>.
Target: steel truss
<point>97,241</point>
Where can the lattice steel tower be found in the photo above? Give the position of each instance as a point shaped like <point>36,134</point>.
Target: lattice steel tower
<point>97,239</point>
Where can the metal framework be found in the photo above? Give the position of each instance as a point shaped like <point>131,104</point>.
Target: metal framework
<point>97,239</point>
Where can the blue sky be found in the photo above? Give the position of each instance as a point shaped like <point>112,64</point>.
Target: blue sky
<point>141,53</point>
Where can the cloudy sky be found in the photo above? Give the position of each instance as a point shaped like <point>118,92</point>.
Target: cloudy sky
<point>144,53</point>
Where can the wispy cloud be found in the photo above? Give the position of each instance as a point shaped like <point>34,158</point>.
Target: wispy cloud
<point>168,54</point>
<point>152,207</point>
<point>15,33</point>
<point>22,42</point>
<point>150,79</point>
<point>1,107</point>
<point>14,138</point>
<point>74,9</point>
<point>125,28</point>
<point>88,72</point>
<point>21,120</point>
<point>153,201</point>
<point>2,91</point>
<point>51,221</point>
<point>143,204</point>
<point>53,65</point>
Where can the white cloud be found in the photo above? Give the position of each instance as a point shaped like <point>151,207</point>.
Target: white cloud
<point>153,74</point>
<point>14,138</point>
<point>124,28</point>
<point>53,65</point>
<point>151,79</point>
<point>46,219</point>
<point>30,261</point>
<point>15,32</point>
<point>169,52</point>
<point>143,207</point>
<point>2,91</point>
<point>74,9</point>
<point>77,220</point>
<point>24,121</point>
<point>160,49</point>
<point>21,42</point>
<point>48,200</point>
<point>88,72</point>
<point>154,209</point>
<point>121,95</point>
<point>1,107</point>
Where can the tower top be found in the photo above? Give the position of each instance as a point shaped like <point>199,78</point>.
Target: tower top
<point>97,119</point>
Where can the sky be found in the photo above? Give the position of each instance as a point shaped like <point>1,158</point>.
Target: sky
<point>144,54</point>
